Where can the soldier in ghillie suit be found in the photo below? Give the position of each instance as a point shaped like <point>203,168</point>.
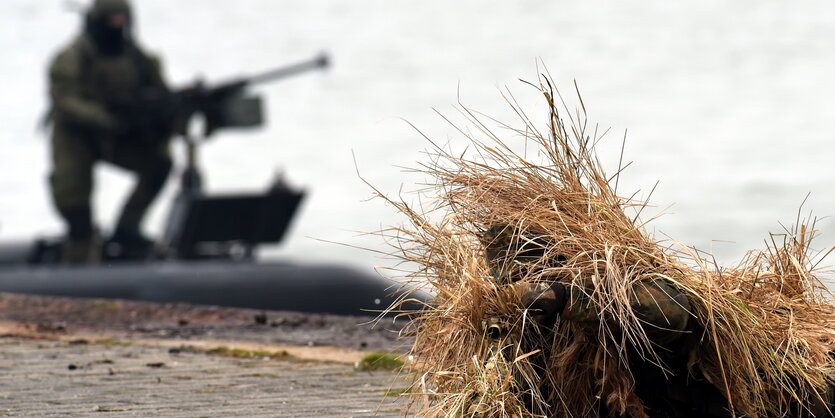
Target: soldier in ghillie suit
<point>95,84</point>
<point>667,384</point>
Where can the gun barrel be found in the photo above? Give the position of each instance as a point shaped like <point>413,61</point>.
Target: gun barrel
<point>225,105</point>
<point>322,61</point>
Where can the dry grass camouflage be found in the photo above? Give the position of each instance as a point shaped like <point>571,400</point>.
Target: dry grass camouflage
<point>762,331</point>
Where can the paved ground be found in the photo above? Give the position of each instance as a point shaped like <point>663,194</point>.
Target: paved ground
<point>131,359</point>
<point>59,378</point>
<point>63,315</point>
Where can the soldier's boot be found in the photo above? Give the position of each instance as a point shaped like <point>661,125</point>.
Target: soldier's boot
<point>128,244</point>
<point>81,246</point>
<point>81,252</point>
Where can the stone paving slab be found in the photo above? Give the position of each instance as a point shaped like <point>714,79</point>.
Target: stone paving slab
<point>61,378</point>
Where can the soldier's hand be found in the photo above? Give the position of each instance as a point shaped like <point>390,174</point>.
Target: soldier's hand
<point>544,301</point>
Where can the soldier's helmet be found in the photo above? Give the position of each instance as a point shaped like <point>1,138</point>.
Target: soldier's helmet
<point>100,9</point>
<point>109,23</point>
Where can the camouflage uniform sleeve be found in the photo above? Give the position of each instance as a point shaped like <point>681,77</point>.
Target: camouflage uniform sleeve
<point>156,67</point>
<point>65,89</point>
<point>153,68</point>
<point>663,311</point>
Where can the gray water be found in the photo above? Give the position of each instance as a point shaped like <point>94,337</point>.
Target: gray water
<point>727,104</point>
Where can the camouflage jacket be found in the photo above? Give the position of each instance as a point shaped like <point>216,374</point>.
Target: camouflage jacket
<point>87,89</point>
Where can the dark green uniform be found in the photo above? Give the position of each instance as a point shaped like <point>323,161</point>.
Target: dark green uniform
<point>93,84</point>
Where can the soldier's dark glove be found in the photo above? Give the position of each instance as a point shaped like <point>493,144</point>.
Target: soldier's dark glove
<point>543,301</point>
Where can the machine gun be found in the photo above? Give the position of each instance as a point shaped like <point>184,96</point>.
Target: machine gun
<point>216,226</point>
<point>224,105</point>
<point>227,105</point>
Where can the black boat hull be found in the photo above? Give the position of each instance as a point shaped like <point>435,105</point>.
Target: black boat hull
<point>273,286</point>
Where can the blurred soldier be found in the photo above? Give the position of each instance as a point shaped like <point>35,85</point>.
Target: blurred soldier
<point>96,85</point>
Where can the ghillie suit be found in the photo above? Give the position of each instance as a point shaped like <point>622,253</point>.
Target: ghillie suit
<point>639,329</point>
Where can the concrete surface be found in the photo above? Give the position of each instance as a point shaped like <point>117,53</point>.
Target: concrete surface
<point>47,377</point>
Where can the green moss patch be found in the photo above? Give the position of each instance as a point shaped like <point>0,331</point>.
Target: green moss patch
<point>110,342</point>
<point>379,361</point>
<point>244,353</point>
